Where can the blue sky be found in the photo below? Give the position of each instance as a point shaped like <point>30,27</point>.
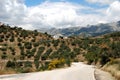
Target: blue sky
<point>81,2</point>
<point>33,2</point>
<point>36,2</point>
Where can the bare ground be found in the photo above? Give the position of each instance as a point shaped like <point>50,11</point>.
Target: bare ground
<point>102,75</point>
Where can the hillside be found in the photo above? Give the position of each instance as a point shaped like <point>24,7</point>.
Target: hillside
<point>27,51</point>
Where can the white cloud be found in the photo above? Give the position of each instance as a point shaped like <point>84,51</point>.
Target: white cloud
<point>55,14</point>
<point>12,11</point>
<point>101,1</point>
<point>114,9</point>
<point>52,14</point>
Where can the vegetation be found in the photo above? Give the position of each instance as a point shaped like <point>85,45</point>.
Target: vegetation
<point>56,63</point>
<point>25,51</point>
<point>113,67</point>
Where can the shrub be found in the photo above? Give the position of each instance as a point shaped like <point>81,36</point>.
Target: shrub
<point>19,44</point>
<point>1,40</point>
<point>56,63</point>
<point>55,42</point>
<point>12,49</point>
<point>10,64</point>
<point>12,39</point>
<point>27,64</point>
<point>104,59</point>
<point>19,64</point>
<point>35,33</point>
<point>36,44</point>
<point>46,54</point>
<point>91,57</point>
<point>13,53</point>
<point>33,40</point>
<point>29,54</point>
<point>24,33</point>
<point>19,40</point>
<point>33,50</point>
<point>22,57</point>
<point>28,45</point>
<point>3,49</point>
<point>5,44</point>
<point>68,62</point>
<point>40,51</point>
<point>77,50</point>
<point>3,56</point>
<point>26,70</point>
<point>36,64</point>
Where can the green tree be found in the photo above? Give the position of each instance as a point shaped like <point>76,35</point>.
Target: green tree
<point>28,45</point>
<point>10,64</point>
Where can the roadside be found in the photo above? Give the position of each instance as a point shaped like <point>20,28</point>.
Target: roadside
<point>102,75</point>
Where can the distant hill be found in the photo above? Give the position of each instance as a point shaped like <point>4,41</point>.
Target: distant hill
<point>91,30</point>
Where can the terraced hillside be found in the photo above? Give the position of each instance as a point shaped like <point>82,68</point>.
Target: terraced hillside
<point>27,51</point>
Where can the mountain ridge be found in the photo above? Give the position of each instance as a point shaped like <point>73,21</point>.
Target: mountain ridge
<point>90,30</point>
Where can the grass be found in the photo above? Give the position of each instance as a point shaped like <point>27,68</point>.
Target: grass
<point>114,68</point>
<point>8,71</point>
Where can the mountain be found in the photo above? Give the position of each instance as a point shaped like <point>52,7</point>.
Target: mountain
<point>91,30</point>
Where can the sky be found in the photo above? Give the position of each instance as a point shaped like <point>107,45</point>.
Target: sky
<point>35,14</point>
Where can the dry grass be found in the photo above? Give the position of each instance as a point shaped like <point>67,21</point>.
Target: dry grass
<point>7,72</point>
<point>114,68</point>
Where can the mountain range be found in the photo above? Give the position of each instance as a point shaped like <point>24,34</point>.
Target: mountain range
<point>90,30</point>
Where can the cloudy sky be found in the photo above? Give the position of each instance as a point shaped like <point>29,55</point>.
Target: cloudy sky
<point>35,14</point>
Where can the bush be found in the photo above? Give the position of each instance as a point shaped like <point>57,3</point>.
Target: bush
<point>33,40</point>
<point>36,44</point>
<point>19,64</point>
<point>19,40</point>
<point>40,51</point>
<point>28,45</point>
<point>5,44</point>
<point>33,50</point>
<point>104,59</point>
<point>22,57</point>
<point>36,33</point>
<point>12,39</point>
<point>26,70</point>
<point>46,54</point>
<point>27,64</point>
<point>13,53</point>
<point>56,63</point>
<point>91,57</point>
<point>77,50</point>
<point>1,40</point>
<point>3,49</point>
<point>4,56</point>
<point>24,33</point>
<point>68,62</point>
<point>55,43</point>
<point>29,54</point>
<point>12,49</point>
<point>19,44</point>
<point>10,64</point>
<point>36,64</point>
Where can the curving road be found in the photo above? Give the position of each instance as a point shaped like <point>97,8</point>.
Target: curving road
<point>78,71</point>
